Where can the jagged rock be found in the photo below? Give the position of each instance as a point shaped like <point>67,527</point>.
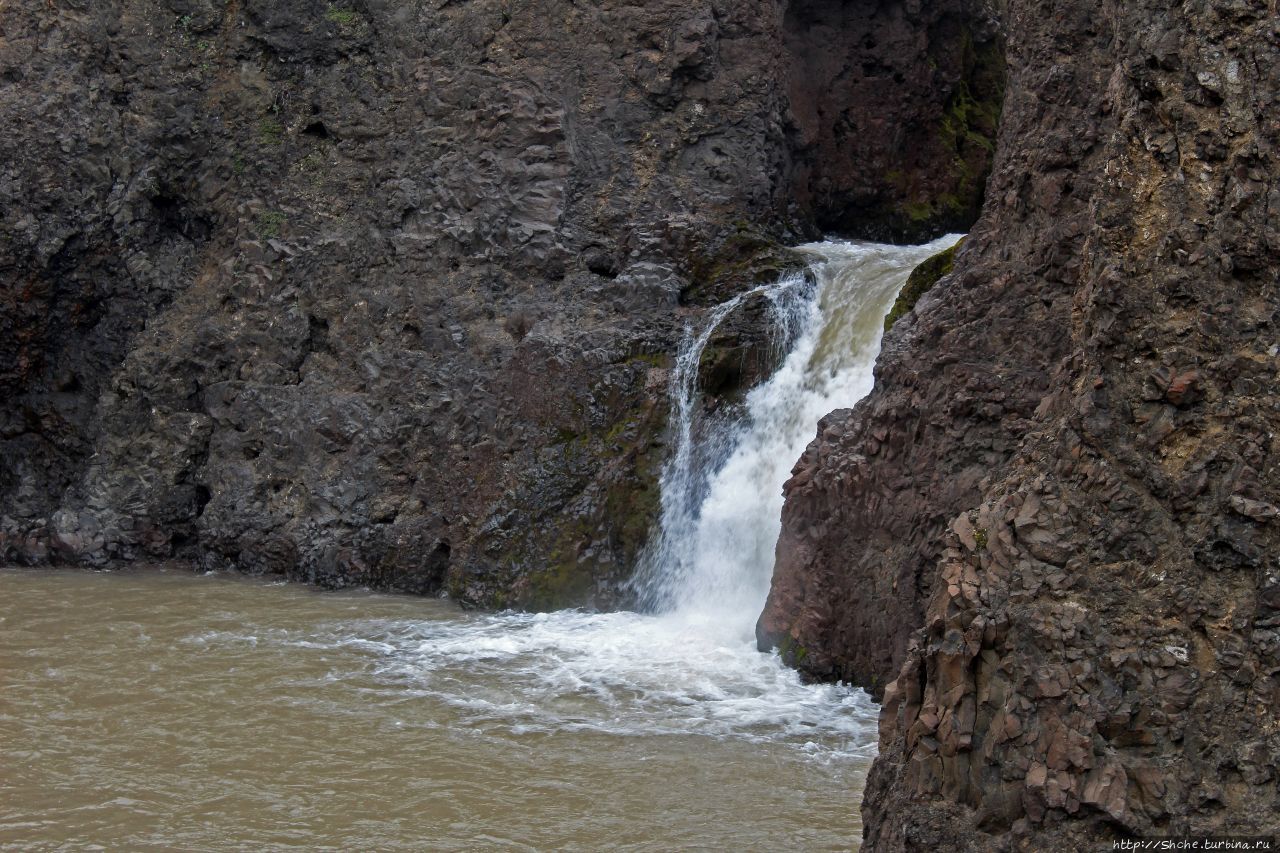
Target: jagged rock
<point>1048,530</point>
<point>1257,510</point>
<point>1184,388</point>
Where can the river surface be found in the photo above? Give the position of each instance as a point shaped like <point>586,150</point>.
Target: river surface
<point>158,709</point>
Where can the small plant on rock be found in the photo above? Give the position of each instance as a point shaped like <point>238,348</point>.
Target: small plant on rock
<point>270,224</point>
<point>270,131</point>
<point>342,17</point>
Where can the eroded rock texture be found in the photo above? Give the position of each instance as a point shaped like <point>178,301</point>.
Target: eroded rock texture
<point>384,293</point>
<point>1053,527</point>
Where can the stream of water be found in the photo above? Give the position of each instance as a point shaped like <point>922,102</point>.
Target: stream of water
<point>149,710</point>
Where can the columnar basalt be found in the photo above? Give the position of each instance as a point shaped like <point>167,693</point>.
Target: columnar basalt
<point>1051,529</point>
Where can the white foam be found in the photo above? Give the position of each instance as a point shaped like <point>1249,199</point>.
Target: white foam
<point>691,669</point>
<point>619,673</point>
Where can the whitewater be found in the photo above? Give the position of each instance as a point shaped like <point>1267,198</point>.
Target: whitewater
<point>692,666</point>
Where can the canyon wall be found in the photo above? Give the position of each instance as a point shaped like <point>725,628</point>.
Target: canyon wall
<point>1049,536</point>
<point>385,293</point>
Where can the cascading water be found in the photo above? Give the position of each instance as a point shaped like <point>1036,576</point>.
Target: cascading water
<point>711,561</point>
<point>667,568</point>
<point>691,666</point>
<point>385,722</point>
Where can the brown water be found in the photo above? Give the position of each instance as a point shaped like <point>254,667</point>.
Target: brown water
<point>162,710</point>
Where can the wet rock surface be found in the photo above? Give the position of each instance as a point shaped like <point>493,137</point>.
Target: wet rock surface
<point>385,294</point>
<point>1048,536</point>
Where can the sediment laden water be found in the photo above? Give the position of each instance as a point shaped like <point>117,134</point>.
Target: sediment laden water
<point>158,710</point>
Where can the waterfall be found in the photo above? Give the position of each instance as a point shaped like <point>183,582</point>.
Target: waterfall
<point>668,566</point>
<point>710,560</point>
<point>689,667</point>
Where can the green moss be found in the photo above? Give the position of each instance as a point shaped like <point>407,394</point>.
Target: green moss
<point>313,168</point>
<point>560,584</point>
<point>546,567</point>
<point>632,506</point>
<point>270,224</point>
<point>965,139</point>
<point>920,281</point>
<point>980,538</point>
<point>568,436</point>
<point>792,652</point>
<point>918,211</point>
<point>344,17</point>
<point>652,359</point>
<point>270,131</point>
<point>968,121</point>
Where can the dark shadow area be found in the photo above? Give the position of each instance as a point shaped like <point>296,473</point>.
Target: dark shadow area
<point>893,114</point>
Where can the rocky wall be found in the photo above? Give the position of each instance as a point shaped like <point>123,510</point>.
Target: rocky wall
<point>1049,534</point>
<point>384,293</point>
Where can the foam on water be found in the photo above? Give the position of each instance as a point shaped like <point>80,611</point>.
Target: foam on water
<point>691,668</point>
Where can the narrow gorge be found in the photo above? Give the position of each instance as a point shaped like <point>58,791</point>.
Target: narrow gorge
<point>520,305</point>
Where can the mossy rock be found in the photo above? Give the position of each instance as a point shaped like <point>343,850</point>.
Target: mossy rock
<point>580,554</point>
<point>720,369</point>
<point>562,583</point>
<point>792,652</point>
<point>920,281</point>
<point>738,261</point>
<point>630,509</point>
<point>965,138</point>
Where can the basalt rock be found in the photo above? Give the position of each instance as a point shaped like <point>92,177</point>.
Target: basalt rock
<point>1047,536</point>
<point>922,278</point>
<point>385,293</point>
<point>876,150</point>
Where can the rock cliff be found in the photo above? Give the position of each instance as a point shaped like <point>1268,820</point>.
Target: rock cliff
<point>1049,536</point>
<point>384,293</point>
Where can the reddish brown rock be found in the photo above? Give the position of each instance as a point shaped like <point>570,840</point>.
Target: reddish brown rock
<point>1049,528</point>
<point>1184,389</point>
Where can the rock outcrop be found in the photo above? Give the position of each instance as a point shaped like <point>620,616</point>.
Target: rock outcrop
<point>1049,536</point>
<point>384,293</point>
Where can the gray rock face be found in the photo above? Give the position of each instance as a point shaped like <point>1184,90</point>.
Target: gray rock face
<point>384,293</point>
<point>1050,529</point>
